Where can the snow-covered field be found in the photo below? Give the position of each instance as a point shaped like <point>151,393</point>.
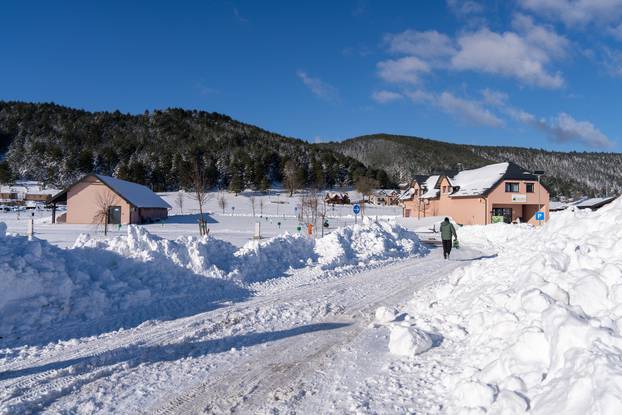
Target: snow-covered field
<point>276,211</point>
<point>367,319</point>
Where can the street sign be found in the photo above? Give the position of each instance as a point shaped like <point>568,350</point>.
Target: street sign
<point>539,215</point>
<point>356,209</point>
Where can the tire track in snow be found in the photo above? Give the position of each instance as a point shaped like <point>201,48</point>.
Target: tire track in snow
<point>349,288</point>
<point>244,391</point>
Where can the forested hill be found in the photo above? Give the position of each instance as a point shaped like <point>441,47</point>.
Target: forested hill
<point>57,144</point>
<point>569,174</point>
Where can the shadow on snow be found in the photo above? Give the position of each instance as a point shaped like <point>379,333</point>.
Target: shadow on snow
<point>135,355</point>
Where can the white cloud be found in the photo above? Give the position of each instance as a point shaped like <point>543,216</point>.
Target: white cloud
<point>384,97</point>
<point>471,111</point>
<point>576,12</point>
<point>563,128</point>
<point>428,45</point>
<point>464,8</point>
<point>318,87</point>
<point>420,96</point>
<point>525,54</point>
<point>506,54</point>
<point>403,70</point>
<point>611,59</point>
<point>493,97</point>
<point>542,37</point>
<point>616,31</point>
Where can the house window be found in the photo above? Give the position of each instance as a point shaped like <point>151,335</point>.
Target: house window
<point>529,187</point>
<point>511,187</point>
<point>502,215</point>
<point>416,192</point>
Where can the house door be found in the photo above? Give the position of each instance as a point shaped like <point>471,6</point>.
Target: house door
<point>506,213</point>
<point>114,215</point>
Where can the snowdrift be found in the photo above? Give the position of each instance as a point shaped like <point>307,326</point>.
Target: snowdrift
<point>146,277</point>
<point>46,287</point>
<point>541,324</point>
<point>496,236</point>
<point>260,260</point>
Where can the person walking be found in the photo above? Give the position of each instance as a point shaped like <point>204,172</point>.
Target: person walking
<point>448,232</point>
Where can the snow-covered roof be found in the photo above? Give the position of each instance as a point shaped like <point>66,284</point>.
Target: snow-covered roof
<point>136,194</point>
<point>384,192</point>
<point>594,202</point>
<point>478,181</point>
<point>429,184</point>
<point>555,205</point>
<point>407,194</point>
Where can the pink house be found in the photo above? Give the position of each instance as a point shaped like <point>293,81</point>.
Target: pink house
<point>125,202</point>
<point>497,192</point>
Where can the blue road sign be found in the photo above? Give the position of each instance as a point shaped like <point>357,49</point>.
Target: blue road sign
<point>356,209</point>
<point>539,215</point>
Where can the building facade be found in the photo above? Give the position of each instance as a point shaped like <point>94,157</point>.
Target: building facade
<point>502,192</point>
<point>95,199</point>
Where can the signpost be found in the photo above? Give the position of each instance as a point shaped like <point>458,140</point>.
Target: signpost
<point>356,208</point>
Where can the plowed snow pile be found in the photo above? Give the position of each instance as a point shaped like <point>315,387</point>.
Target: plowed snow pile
<point>43,286</point>
<point>540,326</point>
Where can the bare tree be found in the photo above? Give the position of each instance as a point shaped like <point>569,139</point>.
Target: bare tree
<point>309,212</point>
<point>200,187</point>
<point>251,199</point>
<point>179,201</point>
<point>222,201</point>
<point>292,177</point>
<point>103,202</point>
<point>323,209</point>
<point>366,186</point>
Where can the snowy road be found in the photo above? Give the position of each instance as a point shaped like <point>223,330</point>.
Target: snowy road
<point>300,339</point>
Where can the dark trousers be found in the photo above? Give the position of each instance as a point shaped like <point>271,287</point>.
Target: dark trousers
<point>446,247</point>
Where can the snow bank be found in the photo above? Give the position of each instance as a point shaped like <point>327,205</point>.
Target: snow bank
<point>203,255</point>
<point>496,236</point>
<point>259,260</point>
<point>541,324</point>
<point>367,243</point>
<point>43,286</point>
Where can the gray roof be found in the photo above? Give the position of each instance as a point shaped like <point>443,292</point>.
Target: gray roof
<point>135,194</point>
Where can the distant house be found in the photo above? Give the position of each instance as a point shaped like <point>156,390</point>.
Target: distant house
<point>497,192</point>
<point>384,197</point>
<point>126,202</point>
<point>23,191</point>
<point>337,198</point>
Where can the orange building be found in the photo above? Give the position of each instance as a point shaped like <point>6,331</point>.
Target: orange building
<point>125,202</point>
<point>497,192</point>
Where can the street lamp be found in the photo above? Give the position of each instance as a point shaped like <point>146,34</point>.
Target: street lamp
<point>537,173</point>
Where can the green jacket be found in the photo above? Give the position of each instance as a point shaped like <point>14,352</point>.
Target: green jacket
<point>447,231</point>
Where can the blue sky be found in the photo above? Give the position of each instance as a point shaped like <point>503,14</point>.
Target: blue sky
<point>538,73</point>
